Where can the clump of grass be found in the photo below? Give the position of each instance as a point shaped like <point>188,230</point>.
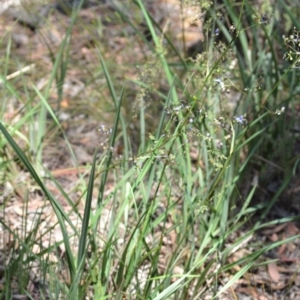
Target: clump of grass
<point>163,215</point>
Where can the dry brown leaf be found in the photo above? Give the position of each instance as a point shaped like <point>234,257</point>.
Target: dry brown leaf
<point>274,237</point>
<point>292,229</point>
<point>273,271</point>
<point>281,249</point>
<point>274,229</point>
<point>287,259</point>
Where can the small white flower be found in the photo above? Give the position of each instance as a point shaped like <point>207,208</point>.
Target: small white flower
<point>222,85</point>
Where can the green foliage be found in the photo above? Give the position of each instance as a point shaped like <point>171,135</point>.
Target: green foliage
<point>206,124</point>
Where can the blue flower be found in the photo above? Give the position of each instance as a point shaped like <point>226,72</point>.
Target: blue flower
<point>240,119</point>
